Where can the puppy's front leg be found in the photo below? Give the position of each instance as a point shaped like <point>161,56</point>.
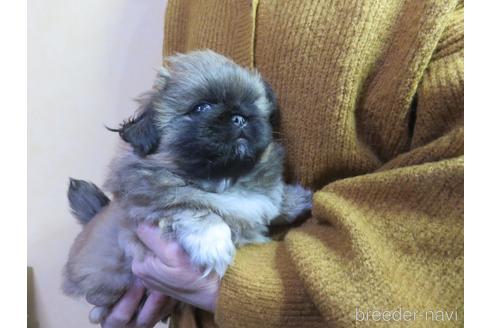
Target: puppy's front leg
<point>206,238</point>
<point>296,201</point>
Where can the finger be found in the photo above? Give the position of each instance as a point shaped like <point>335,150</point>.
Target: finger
<point>171,281</point>
<point>153,310</point>
<point>126,307</point>
<point>167,250</point>
<point>151,268</point>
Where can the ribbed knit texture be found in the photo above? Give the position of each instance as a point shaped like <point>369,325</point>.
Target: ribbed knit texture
<point>228,25</point>
<point>371,100</point>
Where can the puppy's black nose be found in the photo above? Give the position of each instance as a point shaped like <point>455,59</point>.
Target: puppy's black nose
<point>239,121</point>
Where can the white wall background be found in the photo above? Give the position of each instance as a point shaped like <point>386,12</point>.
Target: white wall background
<point>86,61</point>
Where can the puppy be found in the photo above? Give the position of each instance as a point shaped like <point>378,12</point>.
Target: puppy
<point>200,160</point>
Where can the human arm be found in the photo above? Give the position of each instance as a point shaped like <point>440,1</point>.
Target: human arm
<point>389,238</point>
<point>387,225</point>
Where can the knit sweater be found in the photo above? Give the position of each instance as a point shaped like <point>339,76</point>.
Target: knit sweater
<point>371,102</point>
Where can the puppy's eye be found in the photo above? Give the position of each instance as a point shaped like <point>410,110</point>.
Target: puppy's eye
<point>202,107</point>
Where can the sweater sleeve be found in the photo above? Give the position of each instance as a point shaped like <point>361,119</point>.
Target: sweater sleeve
<point>388,241</point>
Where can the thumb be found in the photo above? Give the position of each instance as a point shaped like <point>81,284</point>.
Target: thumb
<point>167,250</point>
<point>148,267</point>
<point>156,275</point>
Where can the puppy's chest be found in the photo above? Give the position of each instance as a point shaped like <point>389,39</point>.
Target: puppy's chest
<point>250,206</point>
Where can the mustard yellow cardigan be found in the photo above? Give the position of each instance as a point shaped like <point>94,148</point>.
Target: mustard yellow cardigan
<point>371,103</point>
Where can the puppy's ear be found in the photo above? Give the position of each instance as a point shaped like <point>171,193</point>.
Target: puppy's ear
<point>272,98</point>
<point>140,132</point>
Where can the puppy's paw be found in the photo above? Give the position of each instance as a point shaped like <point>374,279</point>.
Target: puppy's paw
<point>296,202</point>
<point>212,249</point>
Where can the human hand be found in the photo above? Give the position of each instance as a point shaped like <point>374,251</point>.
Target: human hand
<point>127,314</point>
<point>167,269</point>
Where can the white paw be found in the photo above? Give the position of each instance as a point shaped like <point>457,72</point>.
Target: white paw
<point>212,249</point>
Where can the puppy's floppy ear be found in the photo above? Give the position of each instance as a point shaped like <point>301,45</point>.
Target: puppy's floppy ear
<point>141,131</point>
<point>272,98</point>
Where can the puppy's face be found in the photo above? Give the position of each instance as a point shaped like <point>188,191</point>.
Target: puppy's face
<point>212,115</point>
